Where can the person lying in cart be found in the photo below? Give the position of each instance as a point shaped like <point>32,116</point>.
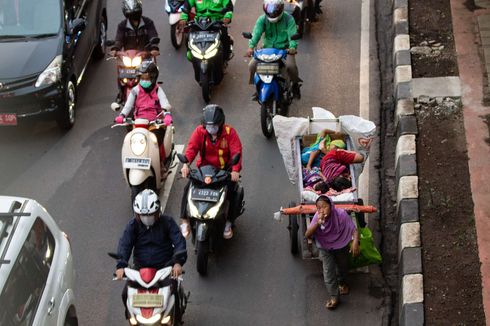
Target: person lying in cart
<point>335,167</point>
<point>333,229</point>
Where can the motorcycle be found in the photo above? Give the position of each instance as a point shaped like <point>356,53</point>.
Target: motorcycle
<point>274,90</point>
<point>208,207</point>
<point>173,9</point>
<point>127,64</point>
<point>152,298</point>
<point>206,52</point>
<point>303,12</point>
<point>140,154</point>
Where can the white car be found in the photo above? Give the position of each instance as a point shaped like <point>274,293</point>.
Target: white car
<point>36,267</point>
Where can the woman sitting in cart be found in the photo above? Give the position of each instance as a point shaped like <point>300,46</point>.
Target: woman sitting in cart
<point>333,230</point>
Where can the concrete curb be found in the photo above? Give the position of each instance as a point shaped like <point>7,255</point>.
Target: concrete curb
<point>411,291</point>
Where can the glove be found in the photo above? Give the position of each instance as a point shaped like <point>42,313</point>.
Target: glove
<point>167,120</point>
<point>292,51</point>
<point>119,119</point>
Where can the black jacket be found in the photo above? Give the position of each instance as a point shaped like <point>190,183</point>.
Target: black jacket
<point>154,246</point>
<point>129,38</point>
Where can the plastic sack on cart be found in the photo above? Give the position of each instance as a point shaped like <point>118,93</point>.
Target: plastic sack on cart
<point>286,129</point>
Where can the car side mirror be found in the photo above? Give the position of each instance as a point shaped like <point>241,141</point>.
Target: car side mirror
<point>78,25</point>
<point>182,158</point>
<point>296,36</point>
<point>235,159</point>
<point>247,35</point>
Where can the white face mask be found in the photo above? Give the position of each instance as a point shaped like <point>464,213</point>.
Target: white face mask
<point>147,220</point>
<point>212,129</point>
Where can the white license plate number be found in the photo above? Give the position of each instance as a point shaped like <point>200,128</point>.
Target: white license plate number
<point>205,195</point>
<point>137,163</point>
<point>8,119</point>
<point>147,300</point>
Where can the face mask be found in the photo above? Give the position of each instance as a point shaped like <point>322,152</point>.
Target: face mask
<point>145,83</point>
<point>147,220</point>
<point>212,129</point>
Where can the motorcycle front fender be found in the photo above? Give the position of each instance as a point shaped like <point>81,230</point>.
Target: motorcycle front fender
<point>174,18</point>
<point>265,91</point>
<point>137,177</point>
<point>202,231</point>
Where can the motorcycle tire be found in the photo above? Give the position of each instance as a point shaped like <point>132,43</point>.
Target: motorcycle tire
<point>266,119</point>
<point>202,257</point>
<point>176,37</point>
<point>206,89</point>
<point>177,315</point>
<point>293,231</point>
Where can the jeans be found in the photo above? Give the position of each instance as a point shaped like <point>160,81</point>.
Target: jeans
<point>335,268</point>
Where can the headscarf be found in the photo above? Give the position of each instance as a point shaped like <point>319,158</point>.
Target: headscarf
<point>336,232</point>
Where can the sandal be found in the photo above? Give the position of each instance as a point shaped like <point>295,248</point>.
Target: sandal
<point>332,303</point>
<point>343,289</point>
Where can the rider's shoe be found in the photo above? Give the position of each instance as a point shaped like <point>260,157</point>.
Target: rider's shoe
<point>228,232</point>
<point>254,96</point>
<point>185,229</point>
<point>297,90</point>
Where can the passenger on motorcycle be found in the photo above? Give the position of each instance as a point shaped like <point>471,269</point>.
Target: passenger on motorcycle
<point>153,238</point>
<point>278,27</point>
<point>215,10</point>
<point>134,32</point>
<point>216,143</point>
<point>148,100</point>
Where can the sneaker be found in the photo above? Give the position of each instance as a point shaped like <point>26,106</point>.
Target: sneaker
<point>228,232</point>
<point>185,229</point>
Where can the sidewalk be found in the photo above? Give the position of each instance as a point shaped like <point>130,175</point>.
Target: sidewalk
<point>466,25</point>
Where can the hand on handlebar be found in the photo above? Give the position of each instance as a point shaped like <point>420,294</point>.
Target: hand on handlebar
<point>176,270</point>
<point>292,51</point>
<point>119,273</point>
<point>235,176</point>
<point>226,21</point>
<point>182,23</point>
<point>250,52</point>
<point>112,53</point>
<point>119,119</point>
<point>185,170</point>
<point>155,53</point>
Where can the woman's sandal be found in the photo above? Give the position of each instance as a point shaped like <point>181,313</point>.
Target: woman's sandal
<point>332,303</point>
<point>343,289</point>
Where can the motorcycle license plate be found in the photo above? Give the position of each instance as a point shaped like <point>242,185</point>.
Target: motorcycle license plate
<point>137,163</point>
<point>8,119</point>
<point>268,68</point>
<point>147,300</point>
<point>205,195</point>
<point>127,73</point>
<point>204,37</point>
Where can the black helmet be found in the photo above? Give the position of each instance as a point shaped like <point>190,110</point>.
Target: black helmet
<point>273,9</point>
<point>150,68</point>
<point>132,9</point>
<point>213,115</point>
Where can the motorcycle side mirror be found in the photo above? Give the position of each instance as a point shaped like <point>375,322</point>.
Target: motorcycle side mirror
<point>78,25</point>
<point>182,158</point>
<point>296,36</point>
<point>154,40</point>
<point>235,159</point>
<point>159,82</point>
<point>114,255</point>
<point>247,35</point>
<point>110,42</point>
<point>115,106</point>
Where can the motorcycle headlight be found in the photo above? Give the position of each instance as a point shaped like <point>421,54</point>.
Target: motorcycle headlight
<point>166,320</point>
<point>195,50</point>
<point>126,61</point>
<point>51,74</point>
<point>193,211</point>
<point>136,61</point>
<point>210,54</point>
<point>213,211</point>
<point>138,143</point>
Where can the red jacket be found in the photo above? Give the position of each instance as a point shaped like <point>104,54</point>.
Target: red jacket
<point>218,153</point>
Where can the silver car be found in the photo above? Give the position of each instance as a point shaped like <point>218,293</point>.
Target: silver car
<point>36,267</point>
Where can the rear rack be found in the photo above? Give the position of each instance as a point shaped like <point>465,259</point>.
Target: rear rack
<point>8,220</point>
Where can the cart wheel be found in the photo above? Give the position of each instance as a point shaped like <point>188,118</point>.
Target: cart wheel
<point>293,231</point>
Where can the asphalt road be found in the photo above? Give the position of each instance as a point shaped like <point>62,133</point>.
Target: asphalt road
<point>254,280</point>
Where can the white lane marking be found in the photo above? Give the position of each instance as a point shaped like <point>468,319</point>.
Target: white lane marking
<point>364,87</point>
<point>165,194</point>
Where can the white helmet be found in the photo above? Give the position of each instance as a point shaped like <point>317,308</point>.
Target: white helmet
<point>146,202</point>
<point>273,9</point>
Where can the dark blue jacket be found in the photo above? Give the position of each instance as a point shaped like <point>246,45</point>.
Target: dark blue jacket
<point>154,246</point>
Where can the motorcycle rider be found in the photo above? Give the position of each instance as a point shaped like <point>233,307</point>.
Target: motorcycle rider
<point>214,10</point>
<point>153,238</point>
<point>216,143</point>
<point>134,32</point>
<point>149,100</point>
<point>278,27</point>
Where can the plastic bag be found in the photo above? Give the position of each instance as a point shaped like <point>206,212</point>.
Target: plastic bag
<point>368,255</point>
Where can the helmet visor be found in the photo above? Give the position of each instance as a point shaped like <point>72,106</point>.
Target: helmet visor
<point>273,10</point>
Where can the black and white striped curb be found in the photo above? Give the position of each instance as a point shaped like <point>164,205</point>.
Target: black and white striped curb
<point>411,290</point>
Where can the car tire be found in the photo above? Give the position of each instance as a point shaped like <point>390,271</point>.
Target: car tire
<point>66,115</point>
<point>99,51</point>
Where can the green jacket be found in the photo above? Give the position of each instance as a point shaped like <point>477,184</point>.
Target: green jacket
<point>214,9</point>
<point>277,35</point>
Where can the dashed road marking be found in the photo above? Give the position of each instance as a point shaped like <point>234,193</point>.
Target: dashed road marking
<point>165,192</point>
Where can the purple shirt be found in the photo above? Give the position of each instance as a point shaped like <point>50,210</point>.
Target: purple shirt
<point>337,230</point>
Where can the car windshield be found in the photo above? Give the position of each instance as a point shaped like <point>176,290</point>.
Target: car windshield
<point>27,18</point>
